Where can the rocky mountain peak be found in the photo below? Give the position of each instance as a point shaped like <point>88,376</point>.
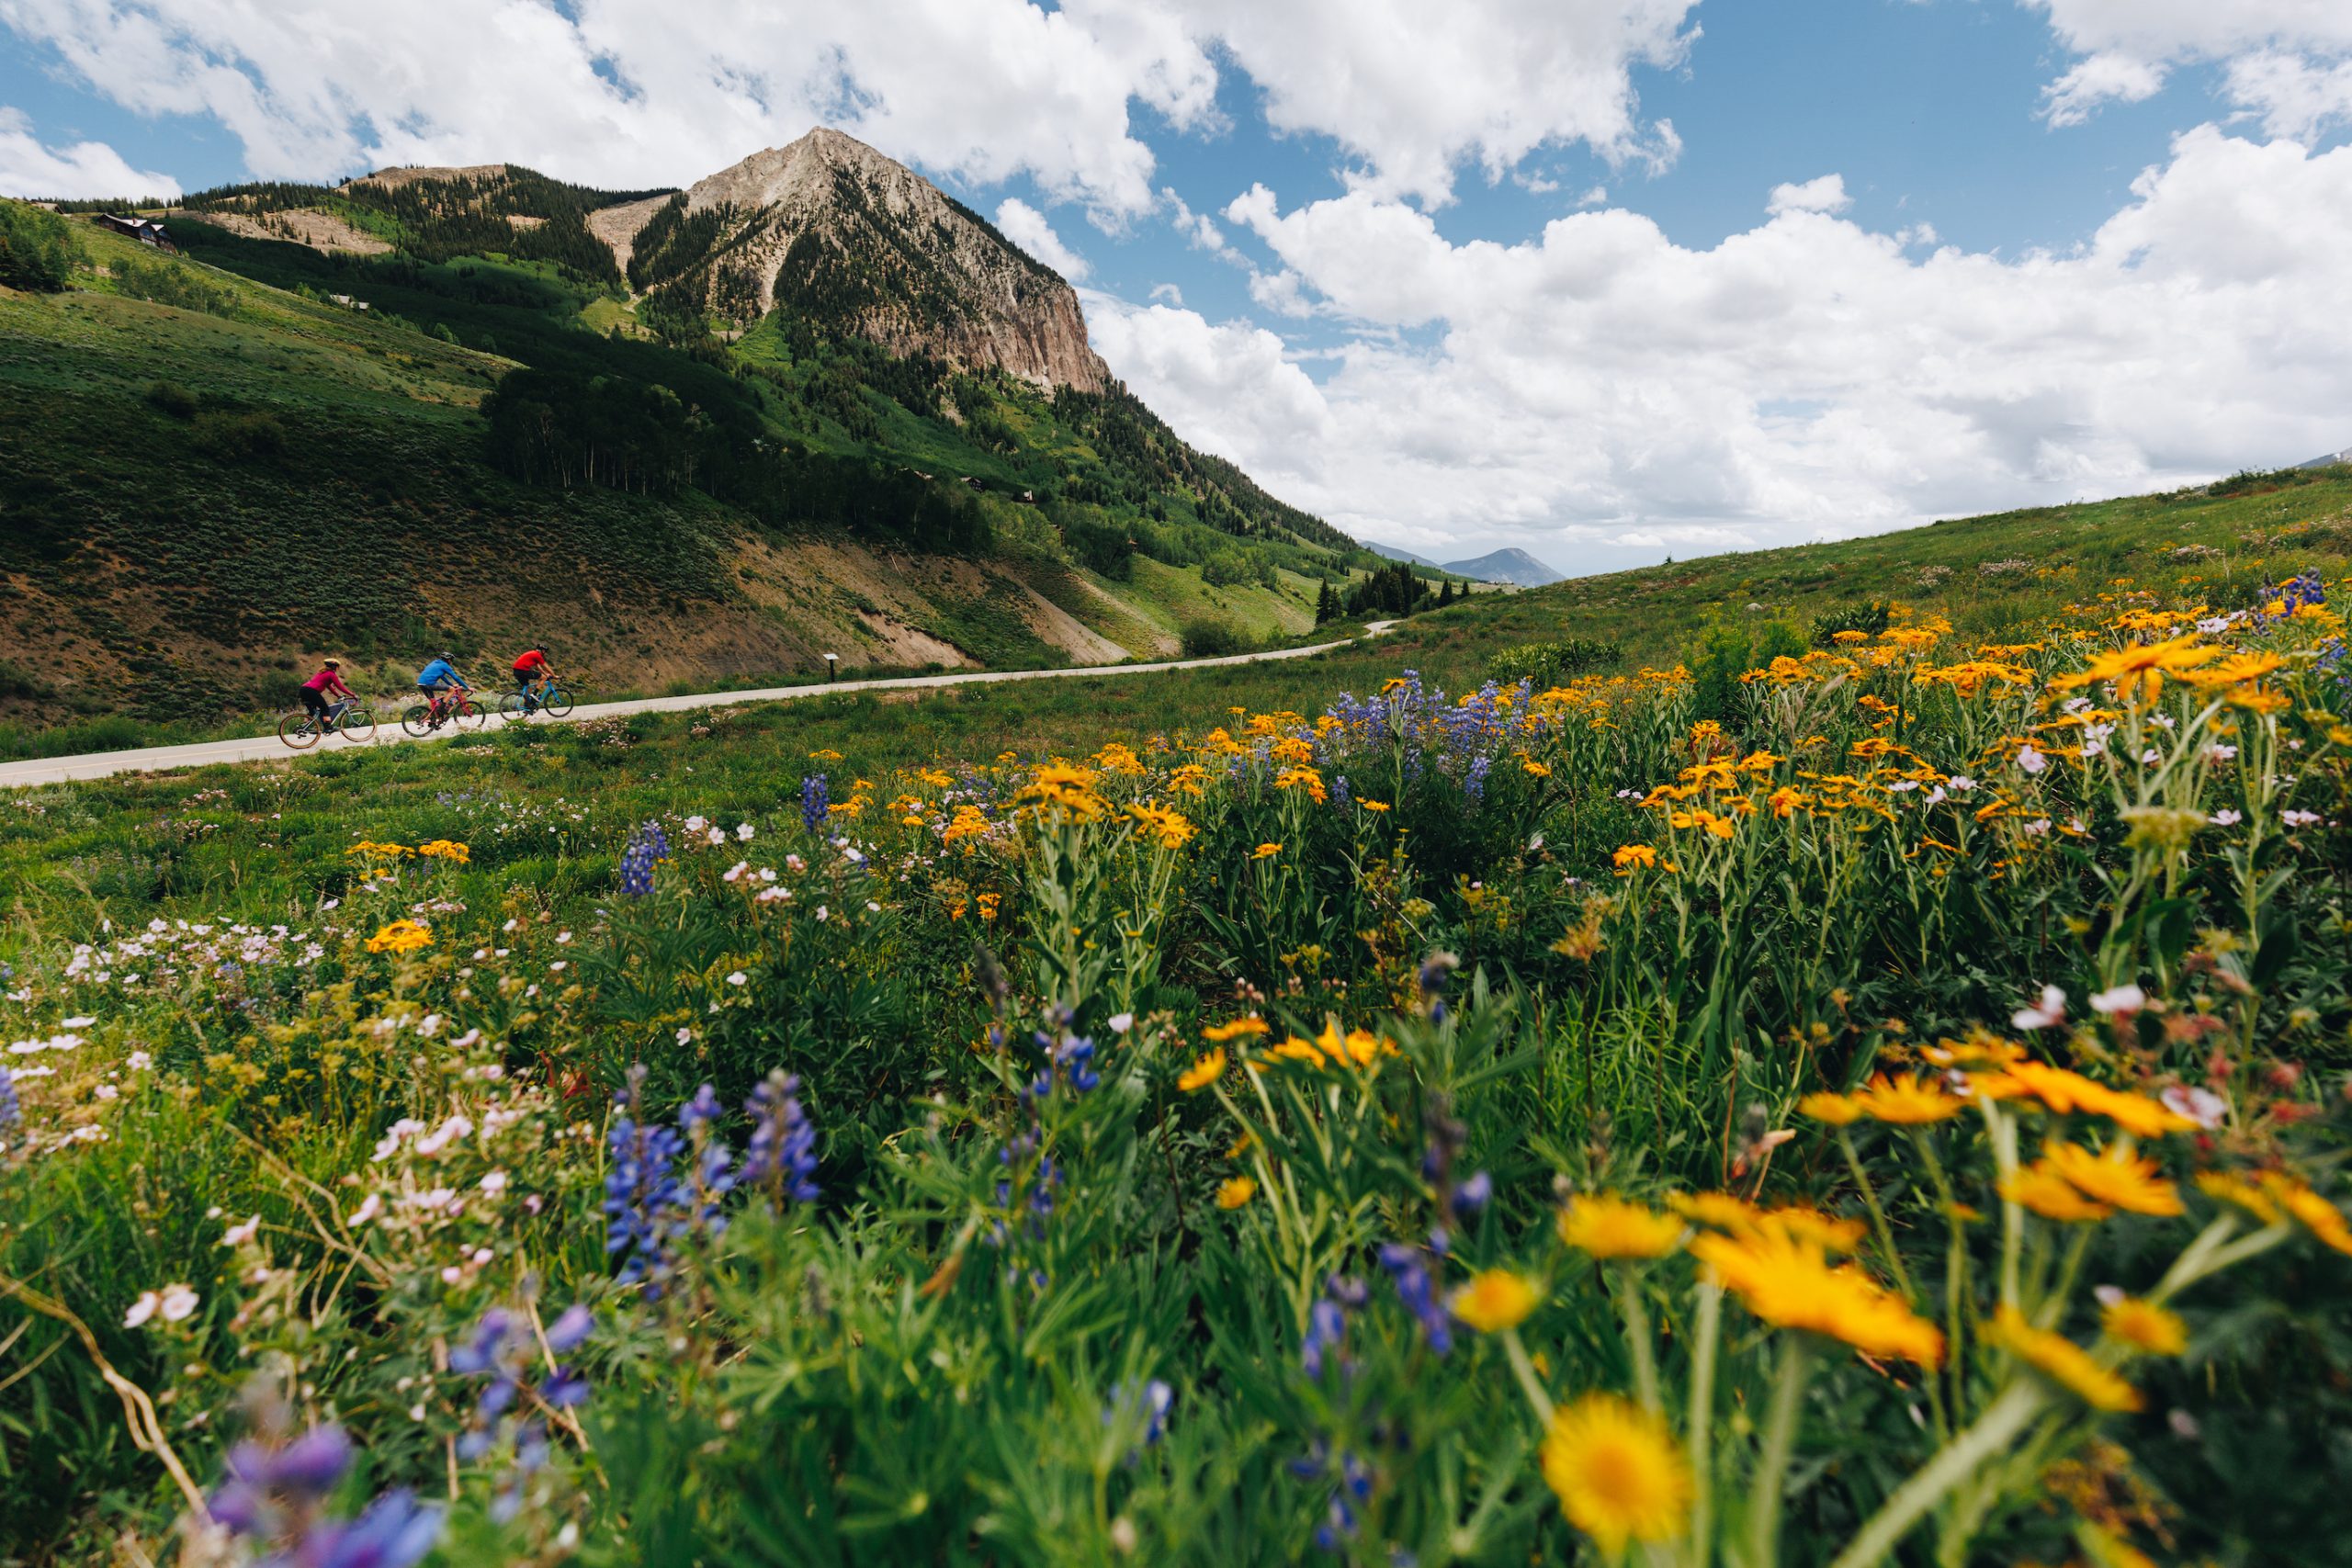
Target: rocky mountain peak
<point>857,242</point>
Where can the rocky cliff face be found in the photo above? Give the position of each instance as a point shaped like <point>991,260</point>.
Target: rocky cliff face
<point>830,229</point>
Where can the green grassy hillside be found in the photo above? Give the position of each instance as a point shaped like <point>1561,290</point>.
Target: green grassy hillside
<point>1211,1093</point>
<point>221,466</point>
<point>1996,578</point>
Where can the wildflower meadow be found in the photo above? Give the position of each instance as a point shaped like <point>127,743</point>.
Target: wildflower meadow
<point>1886,1106</point>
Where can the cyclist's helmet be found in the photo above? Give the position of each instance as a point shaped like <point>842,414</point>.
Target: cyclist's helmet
<point>447,657</point>
<point>332,663</point>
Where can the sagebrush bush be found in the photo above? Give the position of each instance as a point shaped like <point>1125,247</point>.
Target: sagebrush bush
<point>1206,637</point>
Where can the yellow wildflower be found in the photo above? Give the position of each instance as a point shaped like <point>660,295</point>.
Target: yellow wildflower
<point>1169,828</point>
<point>1265,851</point>
<point>1837,1109</point>
<point>1605,1226</point>
<point>2145,1326</point>
<point>1617,1471</point>
<point>2315,1214</point>
<point>2039,1188</point>
<point>2224,1188</point>
<point>1785,1280</point>
<point>447,849</point>
<point>1218,1034</point>
<point>1907,1100</point>
<point>2063,1092</point>
<point>2061,1360</point>
<point>2115,1177</point>
<point>400,936</point>
<point>1237,1191</point>
<point>1496,1299</point>
<point>1204,1072</point>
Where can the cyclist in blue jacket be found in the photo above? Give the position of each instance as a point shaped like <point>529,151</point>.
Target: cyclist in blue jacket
<point>436,680</point>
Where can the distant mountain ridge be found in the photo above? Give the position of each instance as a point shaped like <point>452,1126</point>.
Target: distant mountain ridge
<point>2330,460</point>
<point>1513,566</point>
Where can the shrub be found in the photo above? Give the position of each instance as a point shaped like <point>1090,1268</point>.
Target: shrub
<point>1102,548</point>
<point>1227,569</point>
<point>37,251</point>
<point>1210,638</point>
<point>1730,649</point>
<point>169,283</point>
<point>171,397</point>
<point>242,436</point>
<point>2254,481</point>
<point>1870,618</point>
<point>1549,663</point>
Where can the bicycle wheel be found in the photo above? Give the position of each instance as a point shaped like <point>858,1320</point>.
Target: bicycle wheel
<point>468,714</point>
<point>296,729</point>
<point>512,708</point>
<point>557,703</point>
<point>418,720</point>
<point>357,723</point>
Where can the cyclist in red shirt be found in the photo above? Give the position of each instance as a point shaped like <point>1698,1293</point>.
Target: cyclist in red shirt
<point>530,669</point>
<point>315,689</point>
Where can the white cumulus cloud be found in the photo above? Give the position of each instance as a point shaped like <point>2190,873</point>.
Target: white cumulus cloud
<point>1599,387</point>
<point>1034,232</point>
<point>1414,89</point>
<point>628,92</point>
<point>2129,48</point>
<point>1827,194</point>
<point>635,92</point>
<point>31,168</point>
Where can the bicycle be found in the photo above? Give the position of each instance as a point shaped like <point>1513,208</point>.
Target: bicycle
<point>351,719</point>
<point>457,708</point>
<point>547,696</point>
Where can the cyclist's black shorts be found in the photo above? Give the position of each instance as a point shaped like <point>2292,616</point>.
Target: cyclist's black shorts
<point>313,699</point>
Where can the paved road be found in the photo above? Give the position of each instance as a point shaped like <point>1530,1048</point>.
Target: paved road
<point>151,759</point>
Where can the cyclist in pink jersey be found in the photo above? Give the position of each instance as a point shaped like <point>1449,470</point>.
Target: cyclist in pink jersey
<point>315,690</point>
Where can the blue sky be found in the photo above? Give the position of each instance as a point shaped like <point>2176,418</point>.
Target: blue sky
<point>1827,266</point>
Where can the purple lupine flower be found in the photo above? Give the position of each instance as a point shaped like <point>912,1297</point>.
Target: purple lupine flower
<point>1326,1329</point>
<point>1418,1292</point>
<point>1475,784</point>
<point>1473,1195</point>
<point>814,808</point>
<point>1152,1401</point>
<point>395,1531</point>
<point>12,1112</point>
<point>569,1329</point>
<point>647,847</point>
<point>642,1190</point>
<point>313,1463</point>
<point>272,1496</point>
<point>782,1152</point>
<point>1076,1053</point>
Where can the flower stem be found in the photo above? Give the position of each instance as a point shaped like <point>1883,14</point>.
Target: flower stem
<point>1529,1384</point>
<point>1992,1433</point>
<point>1771,1469</point>
<point>1637,1337</point>
<point>1704,1335</point>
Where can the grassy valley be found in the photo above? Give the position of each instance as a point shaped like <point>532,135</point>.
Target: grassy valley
<point>223,466</point>
<point>1301,1115</point>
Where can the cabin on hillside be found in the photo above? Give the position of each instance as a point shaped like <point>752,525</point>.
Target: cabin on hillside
<point>146,230</point>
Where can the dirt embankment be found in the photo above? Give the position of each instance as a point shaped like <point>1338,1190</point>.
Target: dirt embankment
<point>617,226</point>
<point>303,225</point>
